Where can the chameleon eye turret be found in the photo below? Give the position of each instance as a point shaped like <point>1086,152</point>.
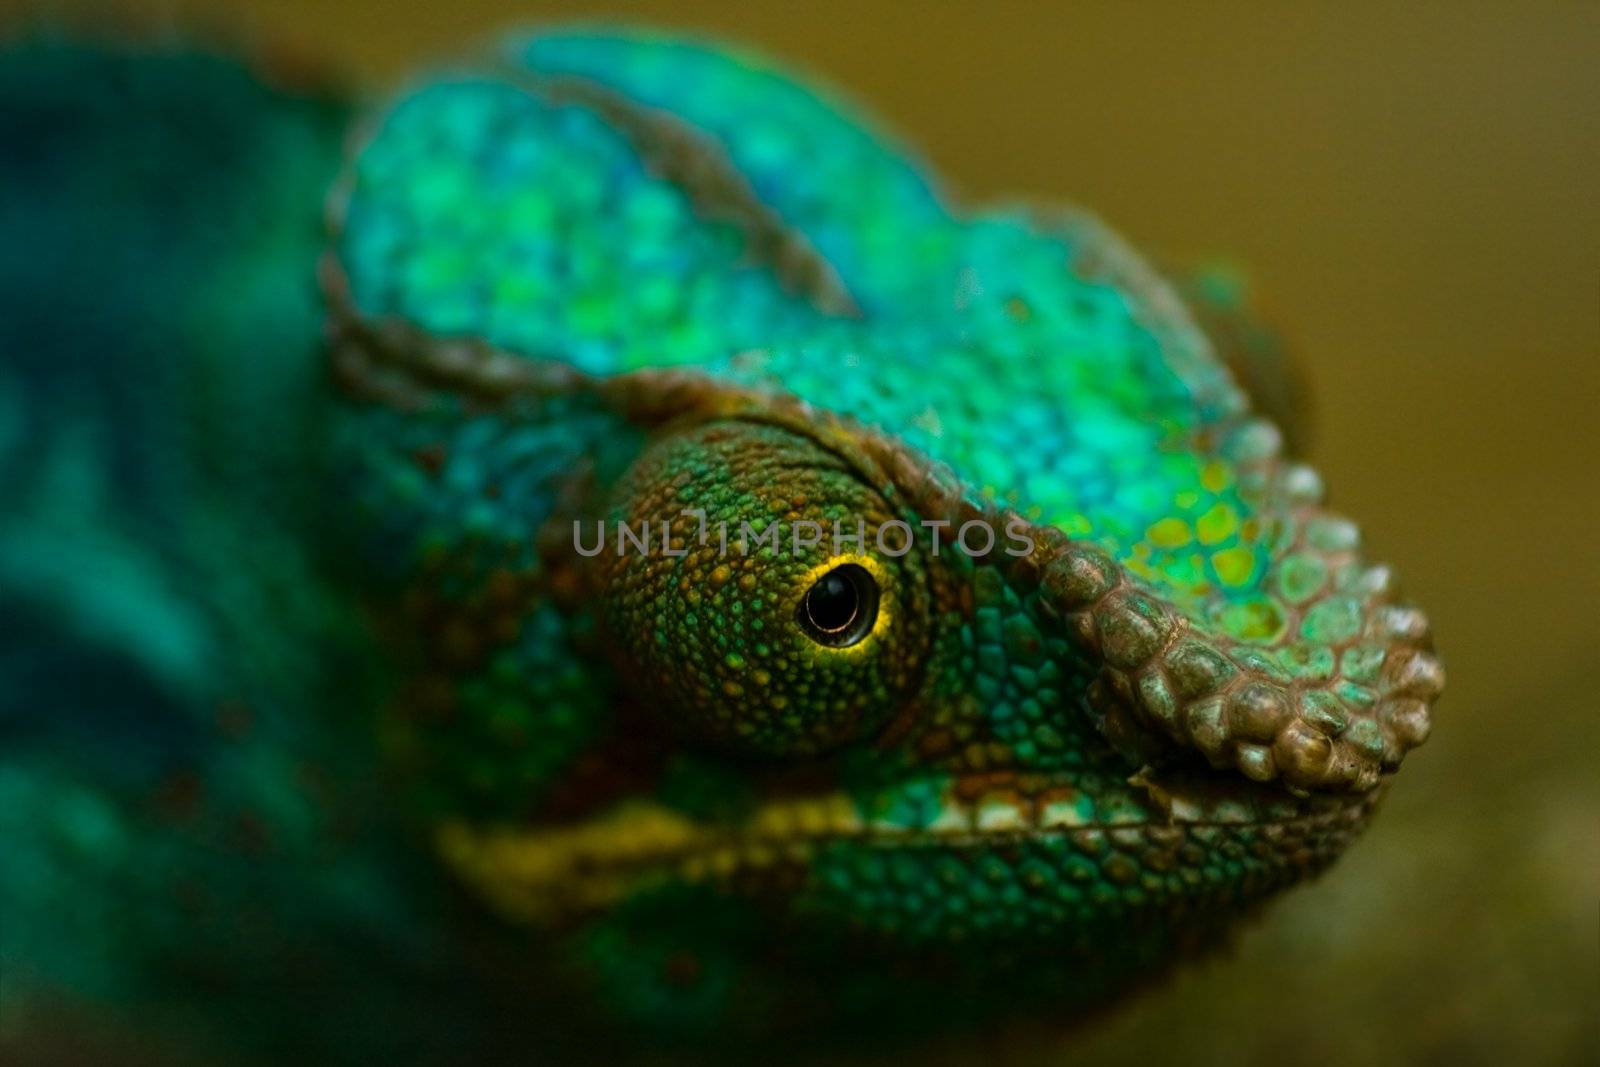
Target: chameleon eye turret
<point>758,617</point>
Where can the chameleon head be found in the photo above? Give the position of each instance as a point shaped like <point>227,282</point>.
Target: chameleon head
<point>787,749</point>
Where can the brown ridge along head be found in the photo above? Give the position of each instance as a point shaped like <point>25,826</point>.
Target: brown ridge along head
<point>596,292</point>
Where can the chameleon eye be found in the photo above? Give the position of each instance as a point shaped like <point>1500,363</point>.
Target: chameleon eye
<point>769,644</point>
<point>840,607</point>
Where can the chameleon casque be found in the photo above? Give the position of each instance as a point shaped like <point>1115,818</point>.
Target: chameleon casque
<point>327,730</point>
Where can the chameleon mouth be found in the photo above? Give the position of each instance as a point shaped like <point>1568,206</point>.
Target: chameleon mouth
<point>547,876</point>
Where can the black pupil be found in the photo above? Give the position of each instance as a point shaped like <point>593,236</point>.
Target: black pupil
<point>832,602</point>
<point>839,609</point>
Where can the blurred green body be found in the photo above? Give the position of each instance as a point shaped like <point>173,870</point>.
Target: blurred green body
<point>600,284</point>
<point>184,770</point>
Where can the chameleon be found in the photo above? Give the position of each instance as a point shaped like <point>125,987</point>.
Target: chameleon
<point>599,550</point>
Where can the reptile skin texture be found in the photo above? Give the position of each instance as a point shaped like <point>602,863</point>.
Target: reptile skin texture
<point>379,627</point>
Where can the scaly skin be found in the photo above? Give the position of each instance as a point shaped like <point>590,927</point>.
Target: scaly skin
<point>596,282</point>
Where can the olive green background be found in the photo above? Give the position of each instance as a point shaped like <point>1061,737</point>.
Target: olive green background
<point>1412,191</point>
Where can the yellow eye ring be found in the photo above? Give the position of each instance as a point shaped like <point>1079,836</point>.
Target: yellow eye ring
<point>841,606</point>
